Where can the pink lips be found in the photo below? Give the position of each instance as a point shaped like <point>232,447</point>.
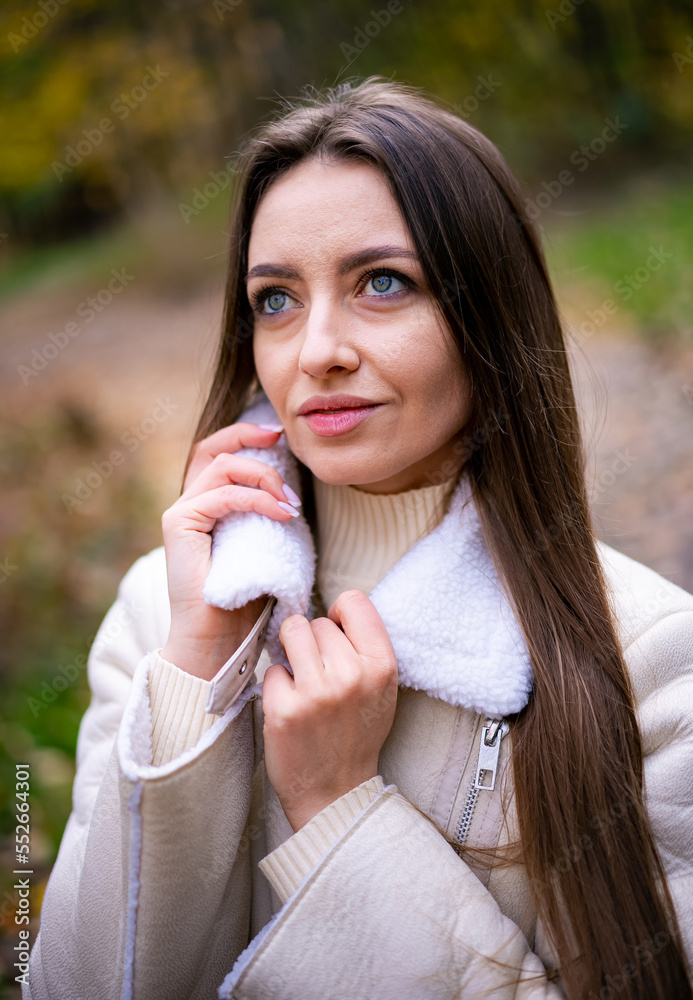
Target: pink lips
<point>329,423</point>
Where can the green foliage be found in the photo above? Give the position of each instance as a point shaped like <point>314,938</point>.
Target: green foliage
<point>558,68</point>
<point>62,568</point>
<point>634,248</point>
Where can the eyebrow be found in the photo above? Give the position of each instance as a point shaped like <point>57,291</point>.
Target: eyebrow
<point>347,264</point>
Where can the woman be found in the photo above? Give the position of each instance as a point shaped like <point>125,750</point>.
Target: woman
<point>391,348</point>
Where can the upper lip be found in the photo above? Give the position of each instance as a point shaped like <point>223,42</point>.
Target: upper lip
<point>338,402</point>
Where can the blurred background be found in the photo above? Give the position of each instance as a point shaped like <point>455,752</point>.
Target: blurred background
<point>118,125</point>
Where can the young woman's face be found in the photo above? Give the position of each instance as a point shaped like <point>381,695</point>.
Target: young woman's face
<point>341,308</point>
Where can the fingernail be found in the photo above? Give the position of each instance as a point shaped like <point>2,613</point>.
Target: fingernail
<point>288,508</point>
<point>275,428</point>
<point>291,496</point>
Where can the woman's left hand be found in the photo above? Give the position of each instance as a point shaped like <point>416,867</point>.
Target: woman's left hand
<point>324,728</point>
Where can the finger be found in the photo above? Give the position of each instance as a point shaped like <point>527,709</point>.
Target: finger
<point>333,646</point>
<point>229,439</point>
<point>358,617</point>
<point>200,513</point>
<point>302,652</point>
<point>226,469</point>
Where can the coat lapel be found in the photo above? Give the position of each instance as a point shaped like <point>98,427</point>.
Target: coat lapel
<point>444,607</point>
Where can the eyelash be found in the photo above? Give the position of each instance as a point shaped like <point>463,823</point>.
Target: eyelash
<point>258,297</point>
<point>376,272</point>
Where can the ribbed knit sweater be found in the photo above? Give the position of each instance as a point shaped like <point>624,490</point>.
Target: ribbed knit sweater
<point>360,538</point>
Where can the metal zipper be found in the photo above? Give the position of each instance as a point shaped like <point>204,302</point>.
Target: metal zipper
<point>485,772</point>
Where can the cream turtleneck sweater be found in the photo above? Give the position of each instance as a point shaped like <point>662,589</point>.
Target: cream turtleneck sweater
<point>360,537</point>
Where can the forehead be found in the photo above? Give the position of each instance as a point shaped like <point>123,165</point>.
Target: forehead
<point>320,208</point>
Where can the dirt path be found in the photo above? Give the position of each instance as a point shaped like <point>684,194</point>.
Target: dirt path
<point>637,403</point>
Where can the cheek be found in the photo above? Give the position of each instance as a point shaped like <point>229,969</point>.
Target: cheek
<point>444,403</point>
<point>262,358</point>
<point>432,378</point>
<point>272,369</point>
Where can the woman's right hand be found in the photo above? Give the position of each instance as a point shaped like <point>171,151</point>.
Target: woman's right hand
<point>202,637</point>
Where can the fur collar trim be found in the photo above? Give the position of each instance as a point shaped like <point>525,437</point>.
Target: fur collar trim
<point>451,624</point>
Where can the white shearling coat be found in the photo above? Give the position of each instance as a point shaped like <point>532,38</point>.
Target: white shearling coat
<point>157,892</point>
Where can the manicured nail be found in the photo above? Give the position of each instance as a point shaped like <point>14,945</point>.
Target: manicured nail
<point>288,508</point>
<point>275,428</point>
<point>291,496</point>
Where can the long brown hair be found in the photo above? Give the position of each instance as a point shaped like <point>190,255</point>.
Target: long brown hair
<point>576,746</point>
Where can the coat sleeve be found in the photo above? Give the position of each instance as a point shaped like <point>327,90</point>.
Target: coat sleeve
<point>392,911</point>
<point>663,670</point>
<point>150,895</point>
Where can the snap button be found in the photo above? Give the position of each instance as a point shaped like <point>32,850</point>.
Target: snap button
<point>242,670</point>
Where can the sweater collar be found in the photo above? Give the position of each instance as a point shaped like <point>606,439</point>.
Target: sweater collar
<point>361,535</point>
<point>444,607</point>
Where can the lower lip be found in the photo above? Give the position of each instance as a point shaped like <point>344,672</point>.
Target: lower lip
<point>326,423</point>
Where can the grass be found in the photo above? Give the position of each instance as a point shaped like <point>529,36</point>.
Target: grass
<point>166,253</point>
<point>605,252</point>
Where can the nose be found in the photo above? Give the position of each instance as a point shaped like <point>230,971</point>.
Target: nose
<point>327,347</point>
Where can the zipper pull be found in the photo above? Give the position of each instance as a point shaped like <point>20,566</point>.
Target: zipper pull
<point>489,749</point>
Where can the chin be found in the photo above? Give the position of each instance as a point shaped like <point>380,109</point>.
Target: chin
<point>335,471</point>
<point>326,473</point>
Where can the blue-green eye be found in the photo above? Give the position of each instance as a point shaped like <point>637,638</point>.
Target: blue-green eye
<point>383,285</point>
<point>273,301</point>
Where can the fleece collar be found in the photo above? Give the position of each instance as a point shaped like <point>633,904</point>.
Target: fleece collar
<point>443,605</point>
